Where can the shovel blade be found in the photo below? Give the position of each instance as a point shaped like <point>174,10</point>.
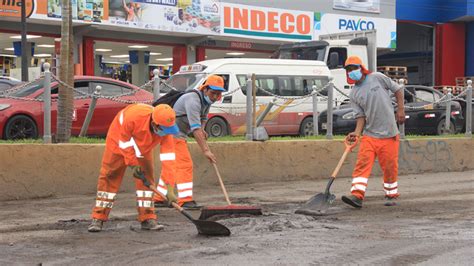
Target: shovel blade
<point>317,205</point>
<point>211,228</point>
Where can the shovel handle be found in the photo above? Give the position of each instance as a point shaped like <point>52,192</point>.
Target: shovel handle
<point>221,183</point>
<point>349,148</point>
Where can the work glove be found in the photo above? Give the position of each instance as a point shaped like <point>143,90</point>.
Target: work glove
<point>170,196</point>
<point>137,171</point>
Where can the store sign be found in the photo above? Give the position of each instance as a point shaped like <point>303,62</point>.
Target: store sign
<point>372,6</point>
<point>266,23</point>
<point>158,2</point>
<point>335,23</point>
<point>12,8</point>
<point>355,25</point>
<point>241,45</point>
<point>198,17</point>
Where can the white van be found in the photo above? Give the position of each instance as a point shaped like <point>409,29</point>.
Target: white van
<point>289,78</point>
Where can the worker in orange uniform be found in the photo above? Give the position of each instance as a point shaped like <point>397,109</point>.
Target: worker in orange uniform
<point>133,134</point>
<point>191,110</point>
<point>372,105</point>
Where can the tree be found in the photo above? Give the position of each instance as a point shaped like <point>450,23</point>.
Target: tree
<point>66,74</point>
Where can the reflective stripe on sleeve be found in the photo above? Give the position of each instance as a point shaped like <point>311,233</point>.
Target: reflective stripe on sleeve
<point>144,193</point>
<point>358,187</point>
<point>160,182</point>
<point>121,118</point>
<point>167,156</point>
<point>162,190</point>
<point>131,143</point>
<point>106,195</point>
<point>104,204</point>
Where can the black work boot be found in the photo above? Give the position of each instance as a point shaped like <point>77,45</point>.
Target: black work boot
<point>390,201</point>
<point>353,201</point>
<point>95,226</point>
<point>191,205</point>
<point>152,225</point>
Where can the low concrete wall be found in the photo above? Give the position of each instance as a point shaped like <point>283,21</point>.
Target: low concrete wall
<point>31,171</point>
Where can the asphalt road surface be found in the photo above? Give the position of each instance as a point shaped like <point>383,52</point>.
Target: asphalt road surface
<point>432,225</point>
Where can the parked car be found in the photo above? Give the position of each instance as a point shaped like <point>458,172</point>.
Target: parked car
<point>463,104</point>
<point>7,83</point>
<point>21,119</point>
<point>429,120</point>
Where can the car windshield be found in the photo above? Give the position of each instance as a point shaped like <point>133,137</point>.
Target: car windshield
<point>31,88</point>
<point>303,53</point>
<point>182,82</point>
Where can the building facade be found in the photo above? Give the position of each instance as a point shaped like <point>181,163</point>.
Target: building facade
<point>127,39</point>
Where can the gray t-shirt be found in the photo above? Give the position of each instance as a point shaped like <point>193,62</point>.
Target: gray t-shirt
<point>372,100</point>
<point>191,112</point>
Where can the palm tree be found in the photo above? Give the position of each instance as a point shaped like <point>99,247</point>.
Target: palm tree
<point>66,74</point>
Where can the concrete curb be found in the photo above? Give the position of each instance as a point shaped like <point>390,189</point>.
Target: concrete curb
<point>36,170</point>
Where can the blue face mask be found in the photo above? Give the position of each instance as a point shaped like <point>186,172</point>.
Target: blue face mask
<point>158,131</point>
<point>355,74</point>
<point>208,100</point>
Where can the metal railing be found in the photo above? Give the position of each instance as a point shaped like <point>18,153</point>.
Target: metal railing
<point>252,122</point>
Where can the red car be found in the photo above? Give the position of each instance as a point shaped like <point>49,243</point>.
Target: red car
<point>20,119</point>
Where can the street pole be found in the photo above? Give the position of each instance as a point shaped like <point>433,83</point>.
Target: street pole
<point>24,55</point>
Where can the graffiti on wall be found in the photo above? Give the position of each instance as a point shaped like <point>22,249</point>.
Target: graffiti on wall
<point>434,155</point>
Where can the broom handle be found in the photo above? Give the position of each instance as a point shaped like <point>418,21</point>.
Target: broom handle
<point>348,149</point>
<point>222,184</point>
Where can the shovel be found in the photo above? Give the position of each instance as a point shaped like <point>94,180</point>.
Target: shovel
<point>208,228</point>
<point>319,203</point>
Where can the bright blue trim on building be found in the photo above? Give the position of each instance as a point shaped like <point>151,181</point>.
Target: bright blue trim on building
<point>470,49</point>
<point>433,10</point>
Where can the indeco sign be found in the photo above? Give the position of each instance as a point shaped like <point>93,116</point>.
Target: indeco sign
<point>266,23</point>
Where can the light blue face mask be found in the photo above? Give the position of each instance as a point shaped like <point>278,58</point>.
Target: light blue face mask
<point>208,100</point>
<point>355,75</point>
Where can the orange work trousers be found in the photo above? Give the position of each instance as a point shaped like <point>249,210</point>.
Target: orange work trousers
<point>110,178</point>
<point>386,150</point>
<point>184,173</point>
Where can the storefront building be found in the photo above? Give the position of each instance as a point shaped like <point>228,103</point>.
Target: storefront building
<point>128,39</point>
<point>452,34</point>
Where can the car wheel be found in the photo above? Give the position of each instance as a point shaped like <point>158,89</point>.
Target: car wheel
<point>306,128</point>
<point>441,129</point>
<point>21,127</point>
<point>217,127</point>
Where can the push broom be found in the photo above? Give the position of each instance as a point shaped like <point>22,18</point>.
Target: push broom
<point>230,209</point>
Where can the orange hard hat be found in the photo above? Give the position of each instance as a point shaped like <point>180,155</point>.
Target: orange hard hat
<point>354,60</point>
<point>214,82</point>
<point>164,116</point>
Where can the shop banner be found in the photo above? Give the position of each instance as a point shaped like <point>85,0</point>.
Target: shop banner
<point>193,16</point>
<point>12,8</point>
<point>325,23</point>
<point>372,6</point>
<point>266,23</point>
<point>83,11</point>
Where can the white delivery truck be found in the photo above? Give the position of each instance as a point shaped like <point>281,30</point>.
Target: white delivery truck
<point>333,49</point>
<point>291,79</point>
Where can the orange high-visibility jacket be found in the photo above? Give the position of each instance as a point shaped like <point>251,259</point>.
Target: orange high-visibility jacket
<point>131,136</point>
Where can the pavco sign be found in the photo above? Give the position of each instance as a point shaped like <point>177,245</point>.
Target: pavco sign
<point>266,23</point>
